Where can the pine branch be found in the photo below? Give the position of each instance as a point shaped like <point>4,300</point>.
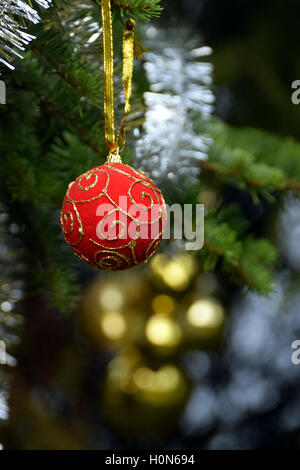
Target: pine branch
<point>141,9</point>
<point>254,159</point>
<point>243,179</point>
<point>15,15</point>
<point>60,278</point>
<point>249,260</point>
<point>52,131</point>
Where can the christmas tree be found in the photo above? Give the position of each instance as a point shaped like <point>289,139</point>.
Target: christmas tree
<point>134,342</point>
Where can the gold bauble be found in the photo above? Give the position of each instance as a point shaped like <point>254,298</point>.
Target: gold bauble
<point>142,400</point>
<point>174,272</point>
<point>110,309</point>
<point>204,322</point>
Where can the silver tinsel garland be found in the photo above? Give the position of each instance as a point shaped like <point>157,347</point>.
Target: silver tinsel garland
<point>179,106</point>
<point>11,293</point>
<point>14,16</point>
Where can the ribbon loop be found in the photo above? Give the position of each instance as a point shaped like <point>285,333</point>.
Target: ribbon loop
<point>116,144</point>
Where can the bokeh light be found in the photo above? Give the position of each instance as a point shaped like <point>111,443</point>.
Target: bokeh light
<point>111,298</point>
<point>176,272</point>
<point>139,396</point>
<point>206,313</point>
<point>163,304</point>
<point>113,325</point>
<point>162,330</point>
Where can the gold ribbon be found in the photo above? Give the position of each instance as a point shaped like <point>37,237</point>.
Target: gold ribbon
<point>114,144</point>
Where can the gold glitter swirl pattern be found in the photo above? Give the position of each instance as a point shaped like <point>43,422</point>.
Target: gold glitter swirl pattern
<point>121,225</point>
<point>101,238</point>
<point>151,249</point>
<point>68,219</point>
<point>68,223</point>
<point>97,193</point>
<point>144,196</point>
<point>82,257</point>
<point>86,177</point>
<point>112,261</point>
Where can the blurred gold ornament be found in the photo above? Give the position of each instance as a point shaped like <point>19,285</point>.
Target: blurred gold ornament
<point>119,373</point>
<point>176,272</point>
<point>142,400</point>
<point>164,331</point>
<point>110,309</point>
<point>163,304</point>
<point>156,386</point>
<point>205,321</point>
<point>113,325</point>
<point>206,313</point>
<point>111,297</point>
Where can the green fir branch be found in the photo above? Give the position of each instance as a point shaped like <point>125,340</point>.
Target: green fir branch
<point>247,259</point>
<point>254,160</point>
<point>140,9</point>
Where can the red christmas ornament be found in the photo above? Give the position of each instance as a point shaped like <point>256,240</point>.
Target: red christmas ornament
<point>113,217</point>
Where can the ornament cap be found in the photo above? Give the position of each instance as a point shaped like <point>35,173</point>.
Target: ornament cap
<point>114,156</point>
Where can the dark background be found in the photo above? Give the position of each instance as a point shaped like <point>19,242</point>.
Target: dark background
<point>256,58</point>
<point>57,399</point>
